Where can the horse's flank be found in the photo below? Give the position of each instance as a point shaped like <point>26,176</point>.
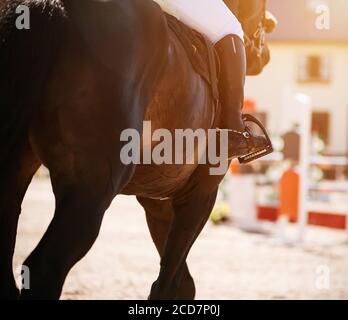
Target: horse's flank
<point>182,100</point>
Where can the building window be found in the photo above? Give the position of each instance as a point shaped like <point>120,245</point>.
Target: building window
<point>321,125</point>
<point>314,69</point>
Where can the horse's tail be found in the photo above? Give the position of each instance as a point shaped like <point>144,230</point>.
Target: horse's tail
<point>26,56</point>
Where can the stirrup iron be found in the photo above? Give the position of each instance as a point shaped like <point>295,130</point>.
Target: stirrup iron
<point>259,153</point>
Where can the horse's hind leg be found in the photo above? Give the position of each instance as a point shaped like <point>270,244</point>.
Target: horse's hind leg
<point>14,182</point>
<point>159,215</point>
<point>82,196</point>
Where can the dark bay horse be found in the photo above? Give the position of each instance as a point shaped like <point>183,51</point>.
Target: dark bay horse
<point>84,72</point>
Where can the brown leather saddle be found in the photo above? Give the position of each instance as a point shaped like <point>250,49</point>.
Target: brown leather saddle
<point>200,52</point>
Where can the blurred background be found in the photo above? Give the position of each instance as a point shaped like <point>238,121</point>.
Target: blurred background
<point>303,100</point>
<point>280,227</point>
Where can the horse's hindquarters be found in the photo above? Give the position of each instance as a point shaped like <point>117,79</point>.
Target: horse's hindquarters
<point>101,84</point>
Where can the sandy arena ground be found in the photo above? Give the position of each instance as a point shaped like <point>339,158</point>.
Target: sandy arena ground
<point>227,263</point>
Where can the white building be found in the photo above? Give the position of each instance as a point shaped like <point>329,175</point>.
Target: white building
<point>310,61</point>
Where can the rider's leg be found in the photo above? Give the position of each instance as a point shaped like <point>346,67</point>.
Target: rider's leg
<point>232,57</point>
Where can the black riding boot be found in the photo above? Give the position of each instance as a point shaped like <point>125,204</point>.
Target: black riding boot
<point>242,141</point>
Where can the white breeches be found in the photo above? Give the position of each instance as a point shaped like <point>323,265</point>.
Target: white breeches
<point>209,17</point>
